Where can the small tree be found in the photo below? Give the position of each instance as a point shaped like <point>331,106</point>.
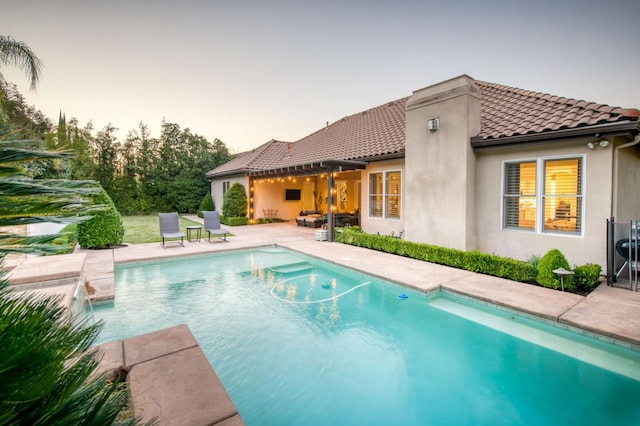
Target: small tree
<point>235,202</point>
<point>206,204</point>
<point>551,261</point>
<point>105,228</point>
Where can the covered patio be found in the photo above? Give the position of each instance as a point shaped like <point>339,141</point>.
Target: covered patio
<point>304,185</point>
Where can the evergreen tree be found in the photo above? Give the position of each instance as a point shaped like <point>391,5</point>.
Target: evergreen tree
<point>106,154</point>
<point>234,203</point>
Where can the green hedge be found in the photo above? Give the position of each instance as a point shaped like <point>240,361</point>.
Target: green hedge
<point>586,277</point>
<point>105,228</point>
<point>474,261</point>
<point>234,221</point>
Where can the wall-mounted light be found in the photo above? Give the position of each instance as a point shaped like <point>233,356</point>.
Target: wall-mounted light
<point>433,124</point>
<point>599,141</point>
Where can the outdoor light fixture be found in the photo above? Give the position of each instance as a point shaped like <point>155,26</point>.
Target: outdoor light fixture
<point>601,142</point>
<point>433,124</point>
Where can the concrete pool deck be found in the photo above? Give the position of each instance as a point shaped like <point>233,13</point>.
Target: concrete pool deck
<point>611,312</point>
<point>608,311</point>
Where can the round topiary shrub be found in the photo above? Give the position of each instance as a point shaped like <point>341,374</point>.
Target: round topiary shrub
<point>235,202</point>
<point>105,228</point>
<point>551,261</point>
<point>206,205</point>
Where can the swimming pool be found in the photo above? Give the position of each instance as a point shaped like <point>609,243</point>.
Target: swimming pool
<point>297,341</point>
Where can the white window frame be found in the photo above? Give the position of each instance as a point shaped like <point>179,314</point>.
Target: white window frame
<point>540,163</point>
<point>226,184</point>
<point>385,213</point>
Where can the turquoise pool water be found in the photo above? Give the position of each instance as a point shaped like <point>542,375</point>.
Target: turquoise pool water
<point>296,341</point>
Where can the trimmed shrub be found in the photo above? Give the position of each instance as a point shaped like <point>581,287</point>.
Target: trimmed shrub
<point>263,220</point>
<point>235,202</point>
<point>586,276</point>
<point>105,228</point>
<point>475,261</point>
<point>551,261</point>
<point>206,204</point>
<point>234,221</point>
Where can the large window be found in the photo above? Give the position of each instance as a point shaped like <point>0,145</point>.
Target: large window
<point>384,194</point>
<point>553,184</point>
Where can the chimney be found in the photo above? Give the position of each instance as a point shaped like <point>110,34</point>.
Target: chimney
<point>289,149</point>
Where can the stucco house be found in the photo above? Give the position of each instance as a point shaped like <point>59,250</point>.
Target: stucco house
<point>463,164</point>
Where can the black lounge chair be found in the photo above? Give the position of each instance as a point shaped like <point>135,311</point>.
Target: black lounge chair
<point>212,225</point>
<point>170,228</point>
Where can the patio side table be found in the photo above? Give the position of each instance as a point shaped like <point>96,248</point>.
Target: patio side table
<point>190,230</point>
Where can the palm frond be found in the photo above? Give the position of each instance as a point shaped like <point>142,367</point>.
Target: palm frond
<point>13,52</point>
<point>33,244</point>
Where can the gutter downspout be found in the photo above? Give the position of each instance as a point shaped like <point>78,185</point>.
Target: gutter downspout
<point>614,174</point>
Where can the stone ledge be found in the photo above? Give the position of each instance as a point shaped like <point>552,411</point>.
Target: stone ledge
<point>45,271</point>
<point>170,379</point>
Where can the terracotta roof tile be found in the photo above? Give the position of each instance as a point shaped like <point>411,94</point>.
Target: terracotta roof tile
<point>504,111</point>
<point>501,106</point>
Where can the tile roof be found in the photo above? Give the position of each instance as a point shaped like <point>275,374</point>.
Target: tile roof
<point>264,156</point>
<point>375,132</point>
<point>378,132</point>
<point>508,111</point>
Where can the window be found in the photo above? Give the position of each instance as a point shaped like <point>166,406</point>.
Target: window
<point>225,187</point>
<point>520,195</point>
<point>562,195</point>
<point>392,194</point>
<point>375,195</point>
<point>553,184</point>
<point>384,194</point>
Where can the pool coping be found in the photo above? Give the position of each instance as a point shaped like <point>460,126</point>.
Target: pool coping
<point>607,312</point>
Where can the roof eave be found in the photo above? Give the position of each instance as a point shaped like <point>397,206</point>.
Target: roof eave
<point>315,167</point>
<point>241,171</point>
<point>607,129</point>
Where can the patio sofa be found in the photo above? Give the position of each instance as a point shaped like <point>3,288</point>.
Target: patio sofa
<point>310,220</point>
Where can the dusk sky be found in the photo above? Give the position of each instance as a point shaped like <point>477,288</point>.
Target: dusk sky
<point>249,71</point>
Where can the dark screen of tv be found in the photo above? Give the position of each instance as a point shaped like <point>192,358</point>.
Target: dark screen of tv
<point>292,195</point>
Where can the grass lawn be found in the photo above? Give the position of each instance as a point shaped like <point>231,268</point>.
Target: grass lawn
<point>146,229</point>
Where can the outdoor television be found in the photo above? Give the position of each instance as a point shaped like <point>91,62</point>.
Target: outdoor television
<point>292,195</point>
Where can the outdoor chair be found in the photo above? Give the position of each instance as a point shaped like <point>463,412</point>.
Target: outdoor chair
<point>170,228</point>
<point>212,225</point>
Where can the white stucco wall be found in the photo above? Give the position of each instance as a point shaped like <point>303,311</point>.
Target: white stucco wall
<point>520,244</point>
<point>440,165</point>
<point>385,226</point>
<point>270,196</point>
<point>216,188</point>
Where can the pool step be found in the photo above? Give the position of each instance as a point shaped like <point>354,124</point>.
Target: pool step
<point>546,336</point>
<point>292,268</point>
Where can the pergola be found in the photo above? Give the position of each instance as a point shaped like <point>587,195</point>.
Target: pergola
<point>314,168</point>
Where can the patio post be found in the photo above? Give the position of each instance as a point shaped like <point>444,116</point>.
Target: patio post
<point>330,204</point>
